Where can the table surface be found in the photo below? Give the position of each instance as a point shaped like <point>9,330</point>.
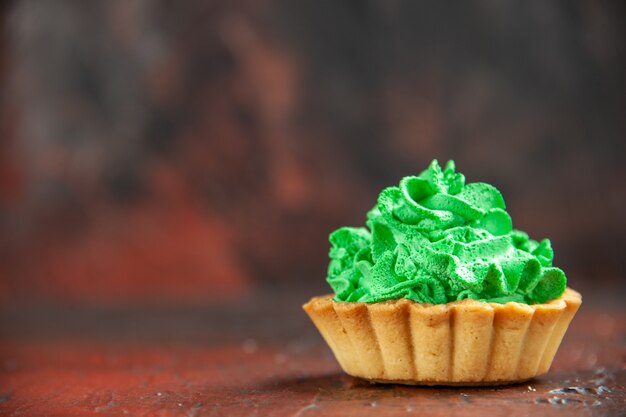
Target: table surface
<point>262,357</point>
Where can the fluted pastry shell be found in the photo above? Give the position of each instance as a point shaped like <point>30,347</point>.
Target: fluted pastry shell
<point>464,342</point>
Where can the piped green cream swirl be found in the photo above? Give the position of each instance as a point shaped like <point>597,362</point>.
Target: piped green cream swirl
<point>435,239</point>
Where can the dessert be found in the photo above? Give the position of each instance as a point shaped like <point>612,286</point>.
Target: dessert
<point>440,289</point>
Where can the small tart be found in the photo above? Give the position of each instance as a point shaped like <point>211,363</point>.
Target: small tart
<point>464,342</point>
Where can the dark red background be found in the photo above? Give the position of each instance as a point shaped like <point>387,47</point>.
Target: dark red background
<point>170,171</point>
<point>168,152</point>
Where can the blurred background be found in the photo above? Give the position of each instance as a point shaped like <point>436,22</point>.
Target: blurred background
<point>168,153</point>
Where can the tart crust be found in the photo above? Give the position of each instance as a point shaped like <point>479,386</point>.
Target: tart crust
<point>465,342</point>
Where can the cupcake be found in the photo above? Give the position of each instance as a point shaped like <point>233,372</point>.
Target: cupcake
<point>439,289</point>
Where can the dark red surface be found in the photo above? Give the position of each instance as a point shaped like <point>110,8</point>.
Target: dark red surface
<point>157,158</point>
<point>263,358</point>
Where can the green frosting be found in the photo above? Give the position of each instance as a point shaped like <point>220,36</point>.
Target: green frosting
<point>435,239</point>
